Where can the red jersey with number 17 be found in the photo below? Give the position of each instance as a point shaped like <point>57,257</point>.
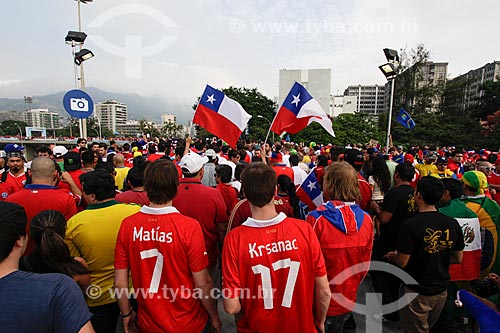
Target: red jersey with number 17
<point>271,266</point>
<point>162,248</point>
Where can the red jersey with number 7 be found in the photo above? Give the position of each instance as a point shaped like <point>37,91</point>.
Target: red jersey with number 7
<point>271,266</point>
<point>162,248</point>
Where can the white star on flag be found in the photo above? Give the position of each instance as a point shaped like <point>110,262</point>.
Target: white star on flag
<point>211,99</point>
<point>296,100</point>
<point>312,186</point>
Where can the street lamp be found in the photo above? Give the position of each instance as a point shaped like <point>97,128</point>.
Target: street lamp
<point>390,71</point>
<point>259,116</point>
<point>20,132</point>
<point>82,55</point>
<point>78,38</point>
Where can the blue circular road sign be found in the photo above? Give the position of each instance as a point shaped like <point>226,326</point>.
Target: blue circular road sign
<point>78,104</point>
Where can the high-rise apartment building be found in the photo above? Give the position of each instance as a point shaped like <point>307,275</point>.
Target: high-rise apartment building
<point>316,81</point>
<point>370,98</point>
<point>111,113</point>
<point>473,81</point>
<point>428,74</point>
<point>41,118</point>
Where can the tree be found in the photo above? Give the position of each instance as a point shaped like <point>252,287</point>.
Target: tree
<point>489,102</point>
<point>11,127</point>
<point>419,96</point>
<point>348,128</point>
<point>148,127</point>
<point>254,103</point>
<point>171,130</point>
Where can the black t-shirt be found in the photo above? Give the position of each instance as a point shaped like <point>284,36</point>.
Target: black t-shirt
<point>429,238</point>
<point>400,202</point>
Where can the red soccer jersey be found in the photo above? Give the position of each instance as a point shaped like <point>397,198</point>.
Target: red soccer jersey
<point>36,198</point>
<point>241,211</point>
<point>271,266</point>
<point>76,177</point>
<point>366,193</point>
<point>230,195</point>
<point>283,170</point>
<point>12,184</point>
<point>206,205</point>
<point>156,156</point>
<point>131,196</point>
<point>162,248</point>
<point>494,179</point>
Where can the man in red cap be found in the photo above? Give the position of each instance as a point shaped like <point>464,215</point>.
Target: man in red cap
<point>279,167</point>
<point>410,159</point>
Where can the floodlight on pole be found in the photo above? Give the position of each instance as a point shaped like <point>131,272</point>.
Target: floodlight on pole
<point>83,55</point>
<point>75,37</point>
<point>390,71</point>
<point>391,55</point>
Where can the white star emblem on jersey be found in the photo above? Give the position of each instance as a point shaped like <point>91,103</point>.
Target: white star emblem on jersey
<point>296,100</point>
<point>211,99</point>
<point>312,186</point>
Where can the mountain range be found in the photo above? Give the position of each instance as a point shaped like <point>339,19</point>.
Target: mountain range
<point>139,107</point>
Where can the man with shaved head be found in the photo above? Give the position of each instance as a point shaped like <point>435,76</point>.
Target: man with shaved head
<point>42,194</point>
<point>121,170</point>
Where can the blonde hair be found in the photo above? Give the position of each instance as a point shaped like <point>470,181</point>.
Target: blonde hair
<point>341,183</point>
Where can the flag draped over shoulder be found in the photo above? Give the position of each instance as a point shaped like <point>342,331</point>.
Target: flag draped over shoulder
<point>309,192</point>
<point>470,267</point>
<point>221,115</point>
<point>299,109</point>
<point>405,119</point>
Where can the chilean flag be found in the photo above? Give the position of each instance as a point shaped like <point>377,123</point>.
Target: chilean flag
<point>298,110</point>
<point>310,193</point>
<point>221,115</point>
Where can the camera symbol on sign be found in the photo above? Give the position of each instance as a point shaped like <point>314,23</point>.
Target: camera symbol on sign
<point>79,104</point>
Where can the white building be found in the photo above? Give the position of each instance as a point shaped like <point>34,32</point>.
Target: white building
<point>130,128</point>
<point>370,98</point>
<point>316,81</point>
<point>168,118</point>
<point>111,113</point>
<point>42,118</point>
<point>343,104</point>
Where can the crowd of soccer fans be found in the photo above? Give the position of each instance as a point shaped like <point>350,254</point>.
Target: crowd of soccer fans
<point>150,236</point>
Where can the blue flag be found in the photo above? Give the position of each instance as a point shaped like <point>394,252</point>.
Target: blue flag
<point>405,119</point>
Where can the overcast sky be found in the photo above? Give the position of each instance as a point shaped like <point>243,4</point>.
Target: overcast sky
<point>174,48</point>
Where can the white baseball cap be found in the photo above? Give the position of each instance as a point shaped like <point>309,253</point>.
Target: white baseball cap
<point>59,151</point>
<point>193,162</point>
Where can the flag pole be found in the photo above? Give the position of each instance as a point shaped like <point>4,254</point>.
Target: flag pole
<point>271,125</point>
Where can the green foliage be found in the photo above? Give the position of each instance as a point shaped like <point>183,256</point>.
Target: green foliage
<point>11,127</point>
<point>489,103</point>
<point>171,130</point>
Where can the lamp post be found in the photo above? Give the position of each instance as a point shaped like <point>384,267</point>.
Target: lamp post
<point>390,70</point>
<point>20,132</point>
<point>259,116</point>
<point>77,38</point>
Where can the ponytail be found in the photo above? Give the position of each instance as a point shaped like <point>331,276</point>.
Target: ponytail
<point>47,229</point>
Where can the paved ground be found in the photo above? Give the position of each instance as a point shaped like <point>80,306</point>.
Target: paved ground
<point>374,324</point>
